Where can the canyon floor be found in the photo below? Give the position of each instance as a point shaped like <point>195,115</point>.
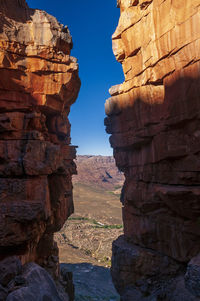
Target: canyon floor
<point>86,239</point>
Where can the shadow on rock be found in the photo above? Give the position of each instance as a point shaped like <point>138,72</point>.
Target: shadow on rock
<point>92,283</point>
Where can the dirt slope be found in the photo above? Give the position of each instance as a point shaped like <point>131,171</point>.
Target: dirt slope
<point>99,171</point>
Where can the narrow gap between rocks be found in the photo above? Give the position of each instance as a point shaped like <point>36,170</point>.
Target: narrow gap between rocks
<point>85,241</point>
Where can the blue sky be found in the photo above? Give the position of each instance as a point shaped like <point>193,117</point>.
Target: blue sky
<point>91,23</point>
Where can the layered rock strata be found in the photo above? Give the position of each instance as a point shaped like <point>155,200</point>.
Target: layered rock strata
<point>154,122</point>
<point>98,171</point>
<point>38,83</point>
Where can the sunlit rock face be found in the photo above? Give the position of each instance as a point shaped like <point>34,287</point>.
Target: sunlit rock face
<point>38,83</point>
<point>154,122</point>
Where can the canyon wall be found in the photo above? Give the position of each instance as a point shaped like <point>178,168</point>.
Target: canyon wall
<point>38,83</point>
<point>98,171</point>
<point>154,122</point>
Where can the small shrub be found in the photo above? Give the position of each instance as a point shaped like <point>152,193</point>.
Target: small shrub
<point>78,219</point>
<point>118,186</point>
<point>88,252</point>
<point>109,226</point>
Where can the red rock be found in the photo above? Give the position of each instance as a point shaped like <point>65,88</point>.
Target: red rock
<point>38,83</point>
<point>39,285</point>
<point>153,119</point>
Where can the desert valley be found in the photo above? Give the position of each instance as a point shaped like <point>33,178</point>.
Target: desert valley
<point>85,241</point>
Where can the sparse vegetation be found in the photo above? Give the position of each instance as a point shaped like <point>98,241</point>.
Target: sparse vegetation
<point>88,236</point>
<point>109,226</point>
<point>78,219</point>
<point>115,194</point>
<point>107,261</point>
<point>118,187</point>
<point>111,192</point>
<point>88,252</point>
<point>64,236</point>
<point>96,223</point>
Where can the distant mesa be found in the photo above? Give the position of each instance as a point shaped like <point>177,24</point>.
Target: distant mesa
<point>99,171</point>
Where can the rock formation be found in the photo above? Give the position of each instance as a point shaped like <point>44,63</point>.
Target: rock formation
<point>38,83</point>
<point>98,171</point>
<point>154,119</point>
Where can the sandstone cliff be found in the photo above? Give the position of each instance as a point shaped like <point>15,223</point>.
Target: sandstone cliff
<point>38,83</point>
<point>154,119</point>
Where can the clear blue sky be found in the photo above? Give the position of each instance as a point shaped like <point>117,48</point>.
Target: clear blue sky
<point>91,23</point>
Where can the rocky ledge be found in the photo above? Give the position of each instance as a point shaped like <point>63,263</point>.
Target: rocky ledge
<point>38,83</point>
<point>154,122</point>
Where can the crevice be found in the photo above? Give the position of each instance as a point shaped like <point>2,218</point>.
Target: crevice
<point>56,61</point>
<point>192,62</point>
<point>47,72</point>
<point>145,5</point>
<point>134,53</point>
<point>127,28</point>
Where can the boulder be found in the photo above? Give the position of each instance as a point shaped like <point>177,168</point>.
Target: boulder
<point>9,268</point>
<point>192,276</point>
<point>39,286</point>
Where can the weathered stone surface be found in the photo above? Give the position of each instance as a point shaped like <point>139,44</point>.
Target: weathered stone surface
<point>154,120</point>
<point>141,274</point>
<point>192,277</point>
<point>38,83</point>
<point>67,281</point>
<point>39,286</point>
<point>9,268</point>
<point>3,292</point>
<point>130,263</point>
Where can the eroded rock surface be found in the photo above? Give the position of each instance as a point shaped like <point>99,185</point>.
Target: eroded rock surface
<point>38,285</point>
<point>38,83</point>
<point>154,119</point>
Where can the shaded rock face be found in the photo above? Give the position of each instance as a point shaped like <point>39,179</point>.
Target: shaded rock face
<point>36,284</point>
<point>154,121</point>
<point>38,83</point>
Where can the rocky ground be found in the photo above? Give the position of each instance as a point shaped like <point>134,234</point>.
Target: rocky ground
<point>85,241</point>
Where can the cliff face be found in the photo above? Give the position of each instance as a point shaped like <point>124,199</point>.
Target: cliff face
<point>154,119</point>
<point>38,83</point>
<point>98,171</point>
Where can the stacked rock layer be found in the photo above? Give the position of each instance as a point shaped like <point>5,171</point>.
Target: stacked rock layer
<point>38,83</point>
<point>154,122</point>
